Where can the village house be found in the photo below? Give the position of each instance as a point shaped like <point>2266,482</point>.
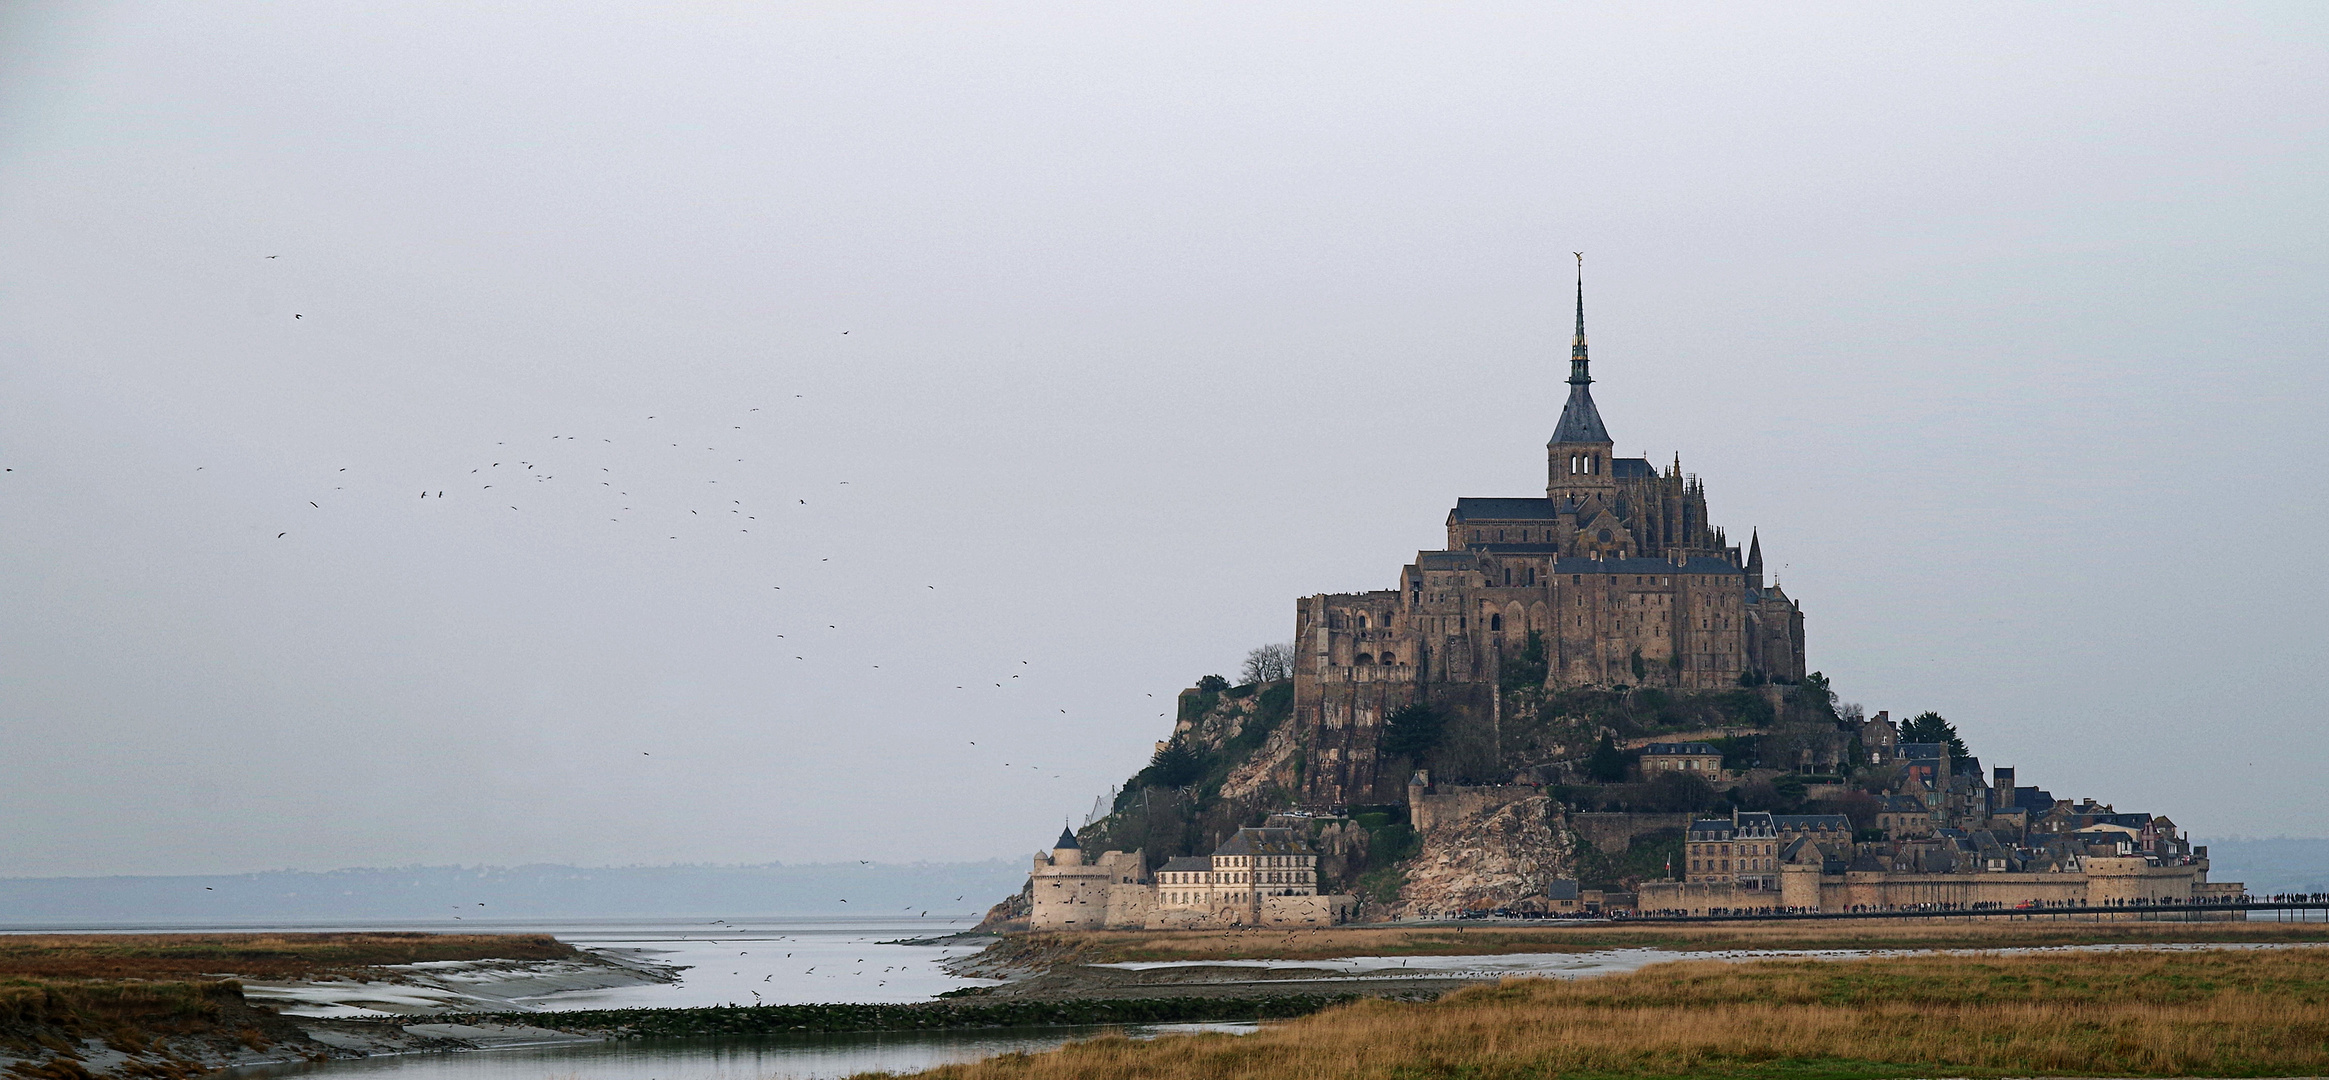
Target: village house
<point>1699,759</point>
<point>1265,876</point>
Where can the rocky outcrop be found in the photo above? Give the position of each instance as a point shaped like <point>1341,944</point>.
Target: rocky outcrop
<point>1009,915</point>
<point>1501,856</point>
<point>1272,765</point>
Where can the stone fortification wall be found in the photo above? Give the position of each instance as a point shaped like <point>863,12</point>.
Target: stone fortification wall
<point>1306,910</point>
<point>1614,833</point>
<point>2103,883</point>
<point>1430,807</point>
<point>1067,893</point>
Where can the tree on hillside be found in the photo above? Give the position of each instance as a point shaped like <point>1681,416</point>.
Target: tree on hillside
<point>1928,727</point>
<point>1679,792</point>
<point>1173,765</point>
<point>1412,731</point>
<point>1607,765</point>
<point>1527,670</point>
<point>1815,695</point>
<point>1270,663</point>
<point>1212,684</point>
<point>1860,806</point>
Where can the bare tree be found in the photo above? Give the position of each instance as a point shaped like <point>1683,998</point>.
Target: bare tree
<point>1270,663</point>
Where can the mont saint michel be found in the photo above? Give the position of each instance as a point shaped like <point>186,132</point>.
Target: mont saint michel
<point>1588,702</point>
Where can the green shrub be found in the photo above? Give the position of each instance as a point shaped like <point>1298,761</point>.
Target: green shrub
<point>1413,730</point>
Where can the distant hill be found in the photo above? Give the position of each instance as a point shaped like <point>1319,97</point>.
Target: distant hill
<point>500,893</point>
<point>2279,865</point>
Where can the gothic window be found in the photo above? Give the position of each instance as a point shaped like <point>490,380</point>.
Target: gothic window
<point>1365,659</point>
<point>1390,659</point>
<point>1495,622</point>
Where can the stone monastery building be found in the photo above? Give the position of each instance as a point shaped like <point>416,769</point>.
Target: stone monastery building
<point>1616,567</point>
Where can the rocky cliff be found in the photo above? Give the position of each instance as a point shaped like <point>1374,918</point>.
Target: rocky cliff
<point>1503,856</point>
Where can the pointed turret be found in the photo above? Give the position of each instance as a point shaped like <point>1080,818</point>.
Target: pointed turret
<point>1755,559</point>
<point>1579,458</point>
<point>1067,852</point>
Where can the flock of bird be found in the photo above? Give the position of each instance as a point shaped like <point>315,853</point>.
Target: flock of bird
<point>675,476</point>
<point>665,479</point>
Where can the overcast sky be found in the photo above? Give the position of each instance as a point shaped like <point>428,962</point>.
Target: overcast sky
<point>832,364</point>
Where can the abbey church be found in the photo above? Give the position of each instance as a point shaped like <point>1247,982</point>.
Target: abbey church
<point>1615,569</point>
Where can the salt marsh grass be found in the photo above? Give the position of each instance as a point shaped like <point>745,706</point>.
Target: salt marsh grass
<point>2134,1013</point>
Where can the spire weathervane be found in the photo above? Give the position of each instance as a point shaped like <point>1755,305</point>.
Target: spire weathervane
<point>1577,373</point>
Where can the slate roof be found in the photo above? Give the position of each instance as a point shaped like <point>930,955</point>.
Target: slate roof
<point>1903,804</point>
<point>1508,509</point>
<point>1561,889</point>
<point>1580,421</point>
<point>1632,468</point>
<point>1067,839</point>
<point>1264,842</point>
<point>1811,822</point>
<point>1462,560</point>
<point>2034,800</point>
<point>1696,564</point>
<point>1187,864</point>
<point>1667,748</point>
<point>1710,829</point>
<point>1923,750</point>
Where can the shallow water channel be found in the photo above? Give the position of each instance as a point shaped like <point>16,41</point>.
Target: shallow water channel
<point>775,1057</point>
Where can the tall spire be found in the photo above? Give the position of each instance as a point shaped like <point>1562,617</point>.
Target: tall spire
<point>1580,421</point>
<point>1577,373</point>
<point>1755,558</point>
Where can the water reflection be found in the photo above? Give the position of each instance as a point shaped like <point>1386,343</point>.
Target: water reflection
<point>775,1057</point>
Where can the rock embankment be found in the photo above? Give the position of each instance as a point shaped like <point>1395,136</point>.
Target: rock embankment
<point>1502,856</point>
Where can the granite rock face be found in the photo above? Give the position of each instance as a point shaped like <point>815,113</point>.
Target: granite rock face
<point>1502,856</point>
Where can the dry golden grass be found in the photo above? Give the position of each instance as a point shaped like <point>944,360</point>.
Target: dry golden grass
<point>1135,945</point>
<point>265,956</point>
<point>2212,1013</point>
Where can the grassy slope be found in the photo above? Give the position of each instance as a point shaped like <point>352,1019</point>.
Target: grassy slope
<point>2148,1013</point>
<point>268,956</point>
<point>1135,945</point>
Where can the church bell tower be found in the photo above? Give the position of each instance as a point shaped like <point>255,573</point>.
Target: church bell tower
<point>1580,458</point>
